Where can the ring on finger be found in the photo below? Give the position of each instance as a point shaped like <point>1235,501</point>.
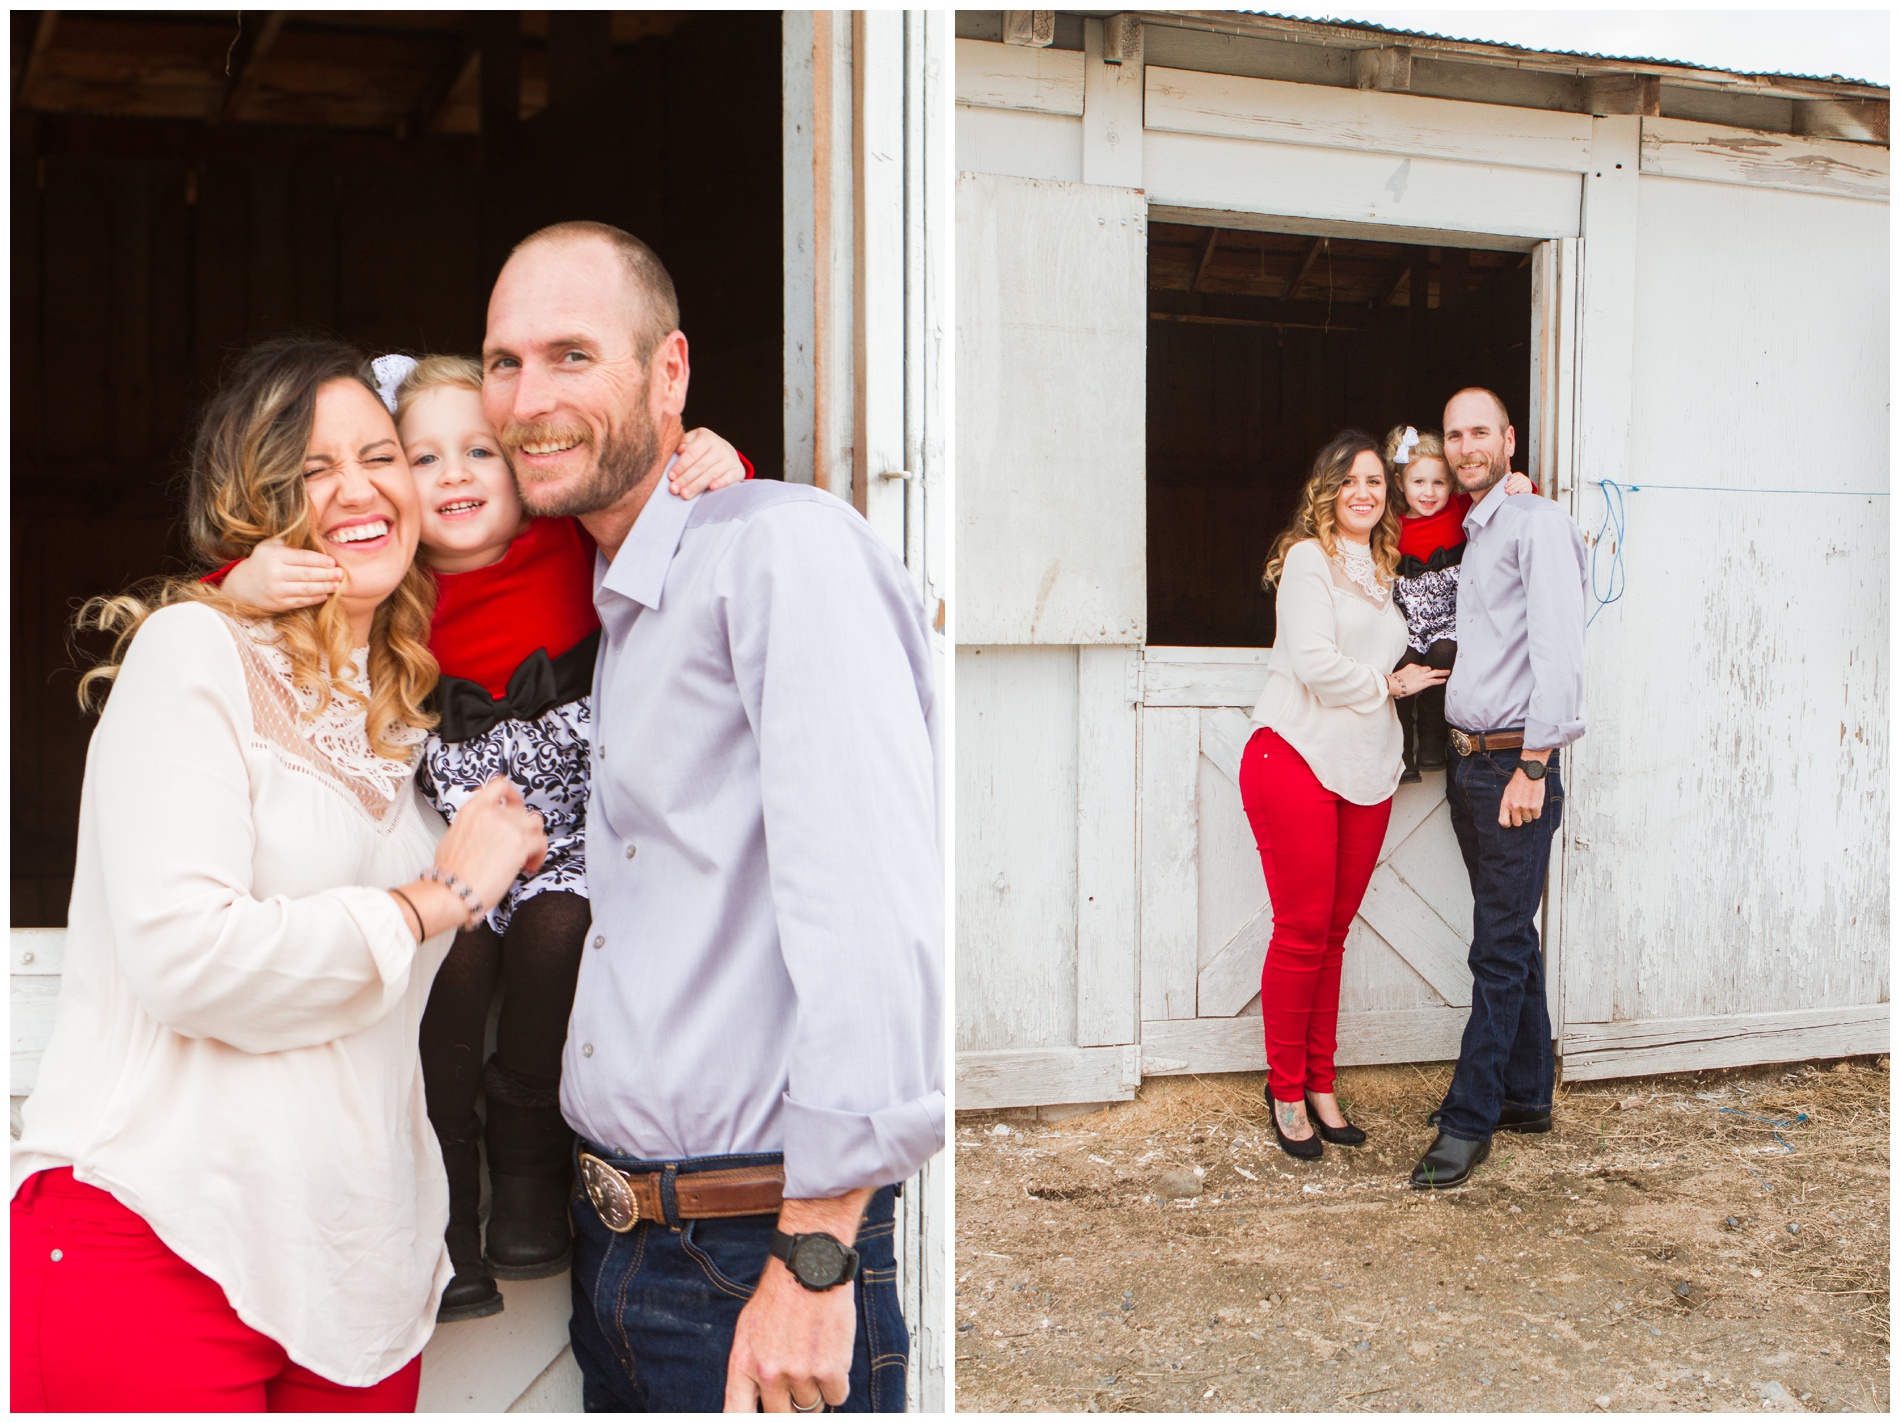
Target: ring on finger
<point>812,1407</point>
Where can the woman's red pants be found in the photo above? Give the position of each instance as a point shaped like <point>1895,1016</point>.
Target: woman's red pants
<point>107,1320</point>
<point>1319,851</point>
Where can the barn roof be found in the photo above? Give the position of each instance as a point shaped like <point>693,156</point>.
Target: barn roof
<point>1620,61</point>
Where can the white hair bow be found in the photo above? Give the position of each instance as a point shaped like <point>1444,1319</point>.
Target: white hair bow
<point>391,372</point>
<point>1407,443</point>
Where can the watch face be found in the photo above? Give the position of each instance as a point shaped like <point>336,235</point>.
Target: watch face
<point>818,1260</point>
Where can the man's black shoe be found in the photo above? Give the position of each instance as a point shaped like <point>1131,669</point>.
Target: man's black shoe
<point>1514,1119</point>
<point>1448,1161</point>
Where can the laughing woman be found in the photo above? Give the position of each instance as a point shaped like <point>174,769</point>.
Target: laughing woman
<point>227,1195</point>
<point>1317,777</point>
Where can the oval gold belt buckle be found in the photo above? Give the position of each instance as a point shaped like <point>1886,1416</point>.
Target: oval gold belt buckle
<point>613,1198</point>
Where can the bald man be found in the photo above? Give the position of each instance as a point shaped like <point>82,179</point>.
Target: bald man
<point>754,1056</point>
<point>1515,697</point>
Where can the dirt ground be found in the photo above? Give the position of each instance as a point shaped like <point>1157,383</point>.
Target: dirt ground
<point>1659,1250</point>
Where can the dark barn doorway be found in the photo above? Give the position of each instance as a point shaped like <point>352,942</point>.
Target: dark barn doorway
<point>1261,347</point>
<point>187,182</point>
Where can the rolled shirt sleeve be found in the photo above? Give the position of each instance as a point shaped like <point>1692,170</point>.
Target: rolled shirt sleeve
<point>203,957</point>
<point>1550,555</point>
<point>1306,628</point>
<point>833,664</point>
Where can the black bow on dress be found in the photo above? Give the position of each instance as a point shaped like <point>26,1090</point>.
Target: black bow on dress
<point>538,683</point>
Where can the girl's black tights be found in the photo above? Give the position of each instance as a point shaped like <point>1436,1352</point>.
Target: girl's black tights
<point>539,957</point>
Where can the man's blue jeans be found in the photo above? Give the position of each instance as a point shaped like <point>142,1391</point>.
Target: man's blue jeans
<point>1505,1059</point>
<point>655,1308</point>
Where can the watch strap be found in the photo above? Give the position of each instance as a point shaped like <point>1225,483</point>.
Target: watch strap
<point>786,1246</point>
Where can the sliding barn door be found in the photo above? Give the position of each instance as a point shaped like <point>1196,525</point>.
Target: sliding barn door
<point>1051,608</point>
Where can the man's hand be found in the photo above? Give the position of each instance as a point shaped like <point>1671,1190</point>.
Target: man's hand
<point>1523,799</point>
<point>792,1347</point>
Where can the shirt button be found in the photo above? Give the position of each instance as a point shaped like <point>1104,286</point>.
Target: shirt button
<point>599,939</point>
<point>587,1049</point>
<point>631,851</point>
<point>59,1255</point>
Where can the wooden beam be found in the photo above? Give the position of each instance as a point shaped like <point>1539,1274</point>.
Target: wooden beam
<point>1389,68</point>
<point>1306,265</point>
<point>1399,279</point>
<point>1207,257</point>
<point>498,38</point>
<point>257,34</point>
<point>1624,94</point>
<point>443,89</point>
<point>580,52</point>
<point>36,61</point>
<point>1036,28</point>
<point>1855,120</point>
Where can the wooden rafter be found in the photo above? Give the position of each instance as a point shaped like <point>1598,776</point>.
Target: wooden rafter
<point>1207,258</point>
<point>1307,259</point>
<point>35,65</point>
<point>1399,279</point>
<point>257,34</point>
<point>444,89</point>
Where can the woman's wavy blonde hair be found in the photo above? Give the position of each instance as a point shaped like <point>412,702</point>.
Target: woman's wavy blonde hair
<point>1319,504</point>
<point>1430,445</point>
<point>245,484</point>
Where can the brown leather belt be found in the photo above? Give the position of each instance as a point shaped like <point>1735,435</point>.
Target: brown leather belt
<point>625,1198</point>
<point>1468,743</point>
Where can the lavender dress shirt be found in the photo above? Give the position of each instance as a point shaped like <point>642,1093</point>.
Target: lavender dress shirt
<point>764,969</point>
<point>1520,622</point>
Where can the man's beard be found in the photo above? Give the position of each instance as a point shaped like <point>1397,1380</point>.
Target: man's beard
<point>1494,472</point>
<point>622,458</point>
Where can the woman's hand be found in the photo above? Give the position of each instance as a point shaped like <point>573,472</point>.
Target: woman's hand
<point>1515,483</point>
<point>705,462</point>
<point>1412,679</point>
<point>496,836</point>
<point>277,578</point>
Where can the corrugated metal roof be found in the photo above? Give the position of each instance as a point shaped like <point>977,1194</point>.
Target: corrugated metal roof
<point>1346,23</point>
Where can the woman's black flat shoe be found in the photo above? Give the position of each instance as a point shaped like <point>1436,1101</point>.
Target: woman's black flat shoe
<point>1348,1135</point>
<point>1308,1150</point>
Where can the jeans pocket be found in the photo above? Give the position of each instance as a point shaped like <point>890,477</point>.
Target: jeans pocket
<point>730,1253</point>
<point>886,1339</point>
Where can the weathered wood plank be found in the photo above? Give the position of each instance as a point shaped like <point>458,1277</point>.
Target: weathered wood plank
<point>1322,116</point>
<point>36,952</point>
<point>30,1004</point>
<point>1235,683</point>
<point>1245,175</point>
<point>1231,979</point>
<point>1592,1051</point>
<point>1042,1079</point>
<point>1010,76</point>
<point>1106,886</point>
<point>1170,854</point>
<point>1017,724</point>
<point>1406,921</point>
<point>1171,1047</point>
<point>1685,148</point>
<point>1052,320</point>
<point>1020,145</point>
<point>1225,732</point>
<point>1111,108</point>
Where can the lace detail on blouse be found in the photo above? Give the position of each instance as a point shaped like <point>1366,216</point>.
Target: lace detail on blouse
<point>1354,563</point>
<point>333,743</point>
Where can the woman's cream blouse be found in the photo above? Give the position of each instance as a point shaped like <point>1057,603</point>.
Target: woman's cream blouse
<point>234,1052</point>
<point>1326,693</point>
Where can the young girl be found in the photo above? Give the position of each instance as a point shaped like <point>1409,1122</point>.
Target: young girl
<point>515,634</point>
<point>1432,513</point>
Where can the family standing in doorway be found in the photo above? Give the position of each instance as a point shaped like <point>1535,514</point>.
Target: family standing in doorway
<point>231,1137</point>
<point>1474,595</point>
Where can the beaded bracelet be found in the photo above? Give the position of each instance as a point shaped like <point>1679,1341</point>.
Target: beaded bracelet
<point>447,879</point>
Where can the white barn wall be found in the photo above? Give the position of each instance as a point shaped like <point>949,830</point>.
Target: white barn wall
<point>1019,145</point>
<point>1728,835</point>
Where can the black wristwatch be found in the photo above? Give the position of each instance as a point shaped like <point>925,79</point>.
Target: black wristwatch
<point>817,1261</point>
<point>1533,770</point>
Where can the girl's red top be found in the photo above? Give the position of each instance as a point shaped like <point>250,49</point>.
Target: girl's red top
<point>1422,535</point>
<point>539,594</point>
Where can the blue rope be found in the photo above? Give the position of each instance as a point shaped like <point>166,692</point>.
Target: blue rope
<point>1800,1117</point>
<point>1608,589</point>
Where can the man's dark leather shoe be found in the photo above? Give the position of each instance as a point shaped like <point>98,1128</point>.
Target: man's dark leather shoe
<point>1448,1161</point>
<point>1513,1119</point>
